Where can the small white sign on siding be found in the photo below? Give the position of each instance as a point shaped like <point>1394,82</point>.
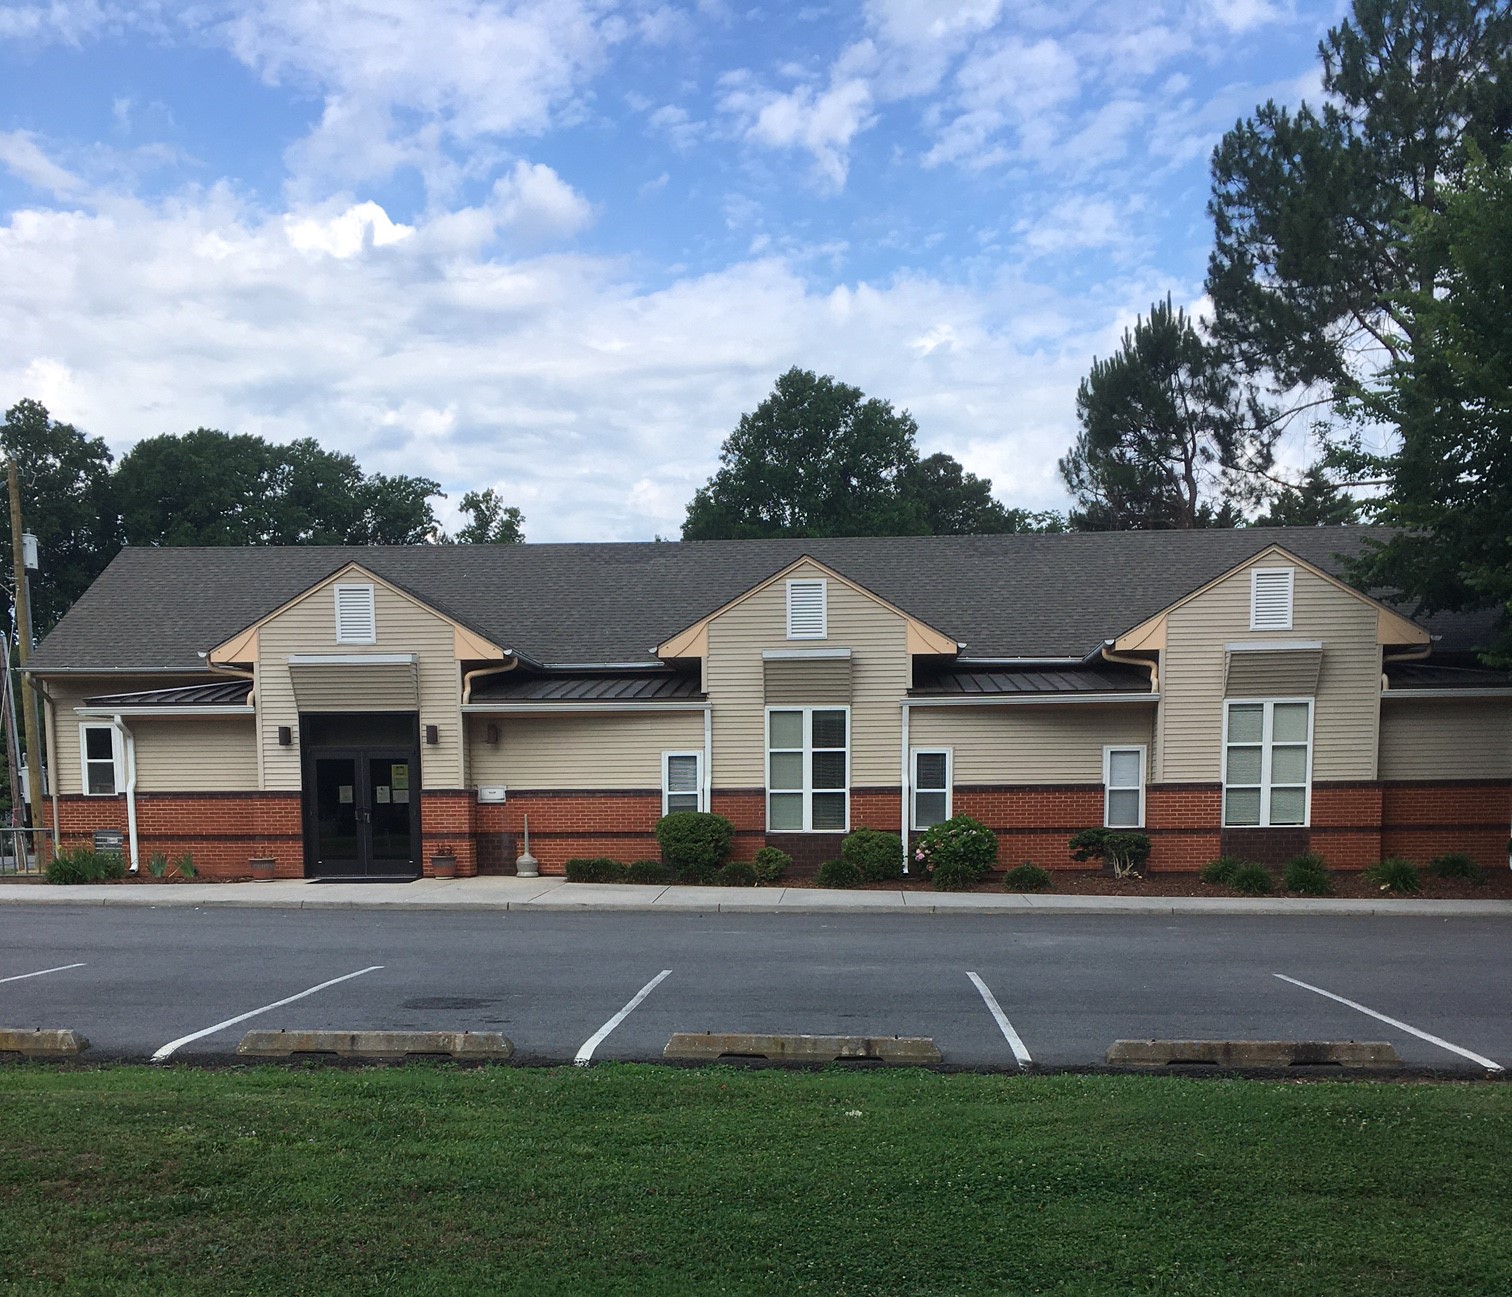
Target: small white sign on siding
<point>356,618</point>
<point>807,609</point>
<point>1271,597</point>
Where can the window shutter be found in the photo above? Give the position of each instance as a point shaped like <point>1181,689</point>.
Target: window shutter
<point>806,609</point>
<point>356,621</point>
<point>1271,598</point>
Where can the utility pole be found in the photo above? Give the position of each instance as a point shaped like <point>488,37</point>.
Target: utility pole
<point>23,649</point>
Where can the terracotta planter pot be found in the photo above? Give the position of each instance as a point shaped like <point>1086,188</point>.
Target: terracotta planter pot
<point>444,866</point>
<point>262,868</point>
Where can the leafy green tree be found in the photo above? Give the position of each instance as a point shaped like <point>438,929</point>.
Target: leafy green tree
<point>493,522</point>
<point>953,502</point>
<point>1449,487</point>
<point>1314,502</point>
<point>1308,268</point>
<point>1167,437</point>
<point>64,478</point>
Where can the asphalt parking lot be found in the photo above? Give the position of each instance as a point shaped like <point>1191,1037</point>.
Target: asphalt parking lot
<point>993,991</point>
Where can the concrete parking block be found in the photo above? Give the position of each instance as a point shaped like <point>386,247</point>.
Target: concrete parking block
<point>472,1046</point>
<point>1254,1053</point>
<point>707,1047</point>
<point>40,1042</point>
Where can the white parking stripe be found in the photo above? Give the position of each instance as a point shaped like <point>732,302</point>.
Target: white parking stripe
<point>41,972</point>
<point>1015,1043</point>
<point>168,1049</point>
<point>1401,1026</point>
<point>597,1039</point>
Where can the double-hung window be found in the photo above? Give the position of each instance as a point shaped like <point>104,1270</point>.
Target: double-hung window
<point>808,769</point>
<point>931,787</point>
<point>682,782</point>
<point>1123,787</point>
<point>100,760</point>
<point>1267,762</point>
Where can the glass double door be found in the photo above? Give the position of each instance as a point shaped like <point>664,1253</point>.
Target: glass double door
<point>364,814</point>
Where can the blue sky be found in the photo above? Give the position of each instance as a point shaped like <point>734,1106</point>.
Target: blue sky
<point>557,247</point>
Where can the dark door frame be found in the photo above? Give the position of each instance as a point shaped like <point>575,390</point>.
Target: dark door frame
<point>360,754</point>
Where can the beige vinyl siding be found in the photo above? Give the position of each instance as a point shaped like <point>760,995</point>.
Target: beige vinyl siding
<point>1032,743</point>
<point>734,679</point>
<point>404,626</point>
<point>195,754</point>
<point>1448,738</point>
<point>63,764</point>
<point>604,750</point>
<point>821,680</point>
<point>1347,709</point>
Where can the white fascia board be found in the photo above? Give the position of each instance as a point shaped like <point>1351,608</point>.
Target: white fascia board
<point>541,709</point>
<point>351,659</point>
<point>219,710</point>
<point>1273,646</point>
<point>803,655</point>
<point>1017,700</point>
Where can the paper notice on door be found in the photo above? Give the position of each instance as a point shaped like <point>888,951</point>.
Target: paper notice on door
<point>383,794</point>
<point>344,793</point>
<point>401,796</point>
<point>399,775</point>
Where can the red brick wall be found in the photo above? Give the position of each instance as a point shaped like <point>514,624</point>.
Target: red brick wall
<point>1421,821</point>
<point>565,825</point>
<point>448,825</point>
<point>1346,824</point>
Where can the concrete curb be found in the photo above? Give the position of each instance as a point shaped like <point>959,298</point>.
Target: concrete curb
<point>509,895</point>
<point>473,1046</point>
<point>710,1046</point>
<point>42,1042</point>
<point>1253,1053</point>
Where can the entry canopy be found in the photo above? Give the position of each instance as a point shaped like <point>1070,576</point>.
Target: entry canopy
<point>355,682</point>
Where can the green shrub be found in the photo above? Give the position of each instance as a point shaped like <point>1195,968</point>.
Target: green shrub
<point>1027,878</point>
<point>736,873</point>
<point>184,866</point>
<point>649,871</point>
<point>595,869</point>
<point>1395,875</point>
<point>839,873</point>
<point>1251,880</point>
<point>1222,870</point>
<point>1121,850</point>
<point>695,843</point>
<point>875,852</point>
<point>83,865</point>
<point>1306,875</point>
<point>963,844</point>
<point>955,876</point>
<point>157,864</point>
<point>771,864</point>
<point>1456,865</point>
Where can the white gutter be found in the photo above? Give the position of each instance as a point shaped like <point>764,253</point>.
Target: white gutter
<point>1446,693</point>
<point>708,761</point>
<point>226,709</point>
<point>904,784</point>
<point>542,709</point>
<point>117,724</point>
<point>1019,700</point>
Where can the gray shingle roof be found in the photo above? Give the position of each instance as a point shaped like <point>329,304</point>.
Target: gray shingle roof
<point>1030,596</point>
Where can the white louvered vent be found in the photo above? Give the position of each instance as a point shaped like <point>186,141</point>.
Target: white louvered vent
<point>1271,598</point>
<point>806,611</point>
<point>356,621</point>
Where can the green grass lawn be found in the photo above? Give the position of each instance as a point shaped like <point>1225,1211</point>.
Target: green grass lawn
<point>641,1180</point>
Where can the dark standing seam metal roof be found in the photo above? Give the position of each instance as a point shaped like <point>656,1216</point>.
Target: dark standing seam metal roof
<point>1005,597</point>
<point>1406,676</point>
<point>627,688</point>
<point>228,693</point>
<point>1032,680</point>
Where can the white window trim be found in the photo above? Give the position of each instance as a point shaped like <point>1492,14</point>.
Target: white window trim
<point>1290,573</point>
<point>808,790</point>
<point>338,590</point>
<point>1266,743</point>
<point>1144,758</point>
<point>913,781</point>
<point>117,759</point>
<point>666,759</point>
<point>823,631</point>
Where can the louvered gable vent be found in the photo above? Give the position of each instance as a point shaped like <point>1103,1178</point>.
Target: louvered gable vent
<point>806,611</point>
<point>1271,598</point>
<point>356,621</point>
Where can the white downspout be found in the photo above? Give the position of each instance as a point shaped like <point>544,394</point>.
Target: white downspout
<point>129,741</point>
<point>904,784</point>
<point>708,759</point>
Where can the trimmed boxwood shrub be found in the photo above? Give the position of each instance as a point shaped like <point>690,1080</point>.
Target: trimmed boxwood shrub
<point>1306,875</point>
<point>595,869</point>
<point>695,843</point>
<point>1251,880</point>
<point>83,865</point>
<point>839,873</point>
<point>1027,877</point>
<point>771,864</point>
<point>956,876</point>
<point>962,843</point>
<point>1222,870</point>
<point>1456,865</point>
<point>649,871</point>
<point>1122,850</point>
<point>1395,875</point>
<point>875,852</point>
<point>736,873</point>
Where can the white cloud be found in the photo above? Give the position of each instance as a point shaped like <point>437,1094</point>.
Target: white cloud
<point>23,157</point>
<point>361,226</point>
<point>536,204</point>
<point>821,122</point>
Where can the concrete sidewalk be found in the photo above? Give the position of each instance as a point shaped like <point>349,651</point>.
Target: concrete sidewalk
<point>557,895</point>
